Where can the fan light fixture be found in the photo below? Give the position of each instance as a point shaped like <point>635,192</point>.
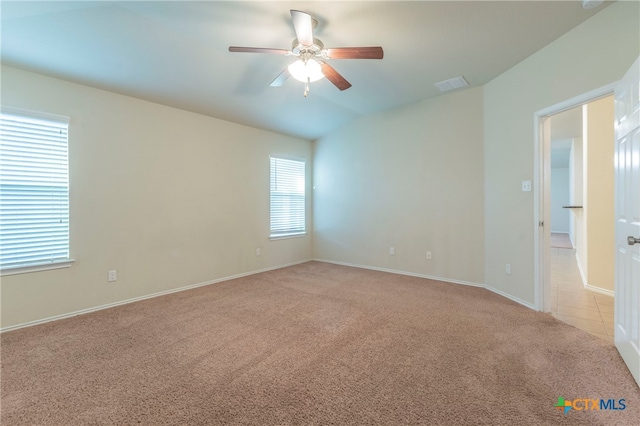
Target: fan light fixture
<point>311,64</point>
<point>306,71</point>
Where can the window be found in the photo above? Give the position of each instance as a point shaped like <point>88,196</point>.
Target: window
<point>287,197</point>
<point>34,192</point>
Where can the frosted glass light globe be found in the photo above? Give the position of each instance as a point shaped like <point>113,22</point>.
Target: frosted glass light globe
<point>301,71</point>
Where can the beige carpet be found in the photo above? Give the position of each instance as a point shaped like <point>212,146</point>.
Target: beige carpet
<point>313,344</point>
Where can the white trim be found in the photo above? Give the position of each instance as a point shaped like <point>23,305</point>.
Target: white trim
<point>590,287</point>
<point>431,277</point>
<point>288,236</point>
<point>258,271</point>
<point>15,270</point>
<point>583,277</point>
<point>540,259</point>
<point>510,297</point>
<point>538,217</point>
<point>609,293</point>
<point>593,95</point>
<point>395,271</point>
<point>304,160</point>
<point>5,109</point>
<point>149,296</point>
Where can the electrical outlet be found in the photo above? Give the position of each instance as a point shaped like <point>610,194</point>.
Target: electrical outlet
<point>428,255</point>
<point>258,252</point>
<point>507,269</point>
<point>392,251</point>
<point>112,276</point>
<point>526,186</point>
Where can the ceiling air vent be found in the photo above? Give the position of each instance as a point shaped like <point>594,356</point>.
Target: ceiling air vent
<point>451,84</point>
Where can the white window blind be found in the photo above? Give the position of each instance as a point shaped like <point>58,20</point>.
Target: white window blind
<point>34,191</point>
<point>287,197</point>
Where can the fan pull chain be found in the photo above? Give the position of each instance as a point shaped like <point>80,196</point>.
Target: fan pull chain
<point>306,87</point>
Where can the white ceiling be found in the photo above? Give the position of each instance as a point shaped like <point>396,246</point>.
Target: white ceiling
<point>176,53</point>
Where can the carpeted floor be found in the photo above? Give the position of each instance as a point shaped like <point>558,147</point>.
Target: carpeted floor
<point>312,344</point>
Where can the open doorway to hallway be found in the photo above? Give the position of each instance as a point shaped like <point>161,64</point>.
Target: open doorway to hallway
<point>582,217</point>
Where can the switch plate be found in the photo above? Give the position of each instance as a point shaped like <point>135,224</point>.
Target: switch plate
<point>392,251</point>
<point>112,276</point>
<point>428,255</point>
<point>258,252</point>
<point>507,269</point>
<point>526,186</point>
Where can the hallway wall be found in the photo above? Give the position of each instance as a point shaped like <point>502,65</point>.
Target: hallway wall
<point>599,192</point>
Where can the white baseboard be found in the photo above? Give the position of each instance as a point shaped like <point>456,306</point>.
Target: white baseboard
<point>582,275</point>
<point>599,290</point>
<point>431,277</point>
<point>258,271</point>
<point>395,271</point>
<point>149,296</point>
<point>510,297</point>
<point>590,287</point>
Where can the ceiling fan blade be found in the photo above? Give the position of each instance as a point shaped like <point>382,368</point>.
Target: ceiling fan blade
<point>281,78</point>
<point>333,76</point>
<point>303,24</point>
<point>355,53</point>
<point>258,50</point>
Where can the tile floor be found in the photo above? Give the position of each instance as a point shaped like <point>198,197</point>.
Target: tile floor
<point>572,303</point>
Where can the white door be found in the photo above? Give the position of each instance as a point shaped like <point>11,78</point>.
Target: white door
<point>627,211</point>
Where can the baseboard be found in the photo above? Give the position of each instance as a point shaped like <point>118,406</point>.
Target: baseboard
<point>590,287</point>
<point>431,277</point>
<point>396,271</point>
<point>599,290</point>
<point>258,271</point>
<point>510,297</point>
<point>149,296</point>
<point>583,277</point>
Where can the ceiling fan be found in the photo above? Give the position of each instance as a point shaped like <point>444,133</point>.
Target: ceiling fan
<point>311,64</point>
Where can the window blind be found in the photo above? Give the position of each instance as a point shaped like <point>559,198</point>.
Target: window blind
<point>34,191</point>
<point>287,197</point>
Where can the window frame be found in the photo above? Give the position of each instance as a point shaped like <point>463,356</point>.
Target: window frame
<point>57,263</point>
<point>292,233</point>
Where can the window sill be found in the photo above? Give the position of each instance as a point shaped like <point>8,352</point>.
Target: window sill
<point>15,270</point>
<point>287,236</point>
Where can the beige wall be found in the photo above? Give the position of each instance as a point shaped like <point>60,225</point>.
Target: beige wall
<point>594,54</point>
<point>599,188</point>
<point>171,198</point>
<point>166,197</point>
<point>411,179</point>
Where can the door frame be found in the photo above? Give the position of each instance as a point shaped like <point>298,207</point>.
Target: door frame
<point>542,195</point>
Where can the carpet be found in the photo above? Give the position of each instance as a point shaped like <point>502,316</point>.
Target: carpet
<point>559,240</point>
<point>312,344</point>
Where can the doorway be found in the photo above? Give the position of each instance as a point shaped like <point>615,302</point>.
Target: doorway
<point>581,205</point>
<point>575,220</point>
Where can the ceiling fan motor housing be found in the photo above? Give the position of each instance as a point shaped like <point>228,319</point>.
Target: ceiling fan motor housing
<point>316,48</point>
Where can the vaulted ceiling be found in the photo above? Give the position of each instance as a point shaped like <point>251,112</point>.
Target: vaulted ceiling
<point>176,52</point>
